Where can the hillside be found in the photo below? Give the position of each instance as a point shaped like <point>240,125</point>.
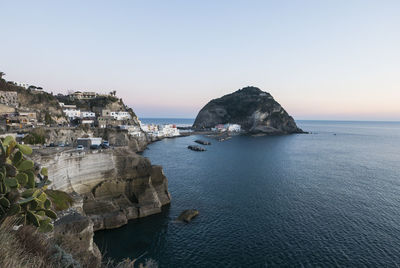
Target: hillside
<point>99,103</point>
<point>40,102</point>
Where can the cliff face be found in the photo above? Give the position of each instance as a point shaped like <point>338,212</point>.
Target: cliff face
<point>116,185</point>
<point>255,110</point>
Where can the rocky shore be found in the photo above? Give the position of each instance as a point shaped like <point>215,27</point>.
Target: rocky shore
<point>109,188</point>
<point>116,185</point>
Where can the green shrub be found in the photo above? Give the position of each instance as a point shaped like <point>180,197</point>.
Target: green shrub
<point>47,118</point>
<point>61,200</point>
<point>36,136</point>
<point>22,187</point>
<point>33,138</point>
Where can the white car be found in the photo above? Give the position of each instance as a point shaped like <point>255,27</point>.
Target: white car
<point>80,148</point>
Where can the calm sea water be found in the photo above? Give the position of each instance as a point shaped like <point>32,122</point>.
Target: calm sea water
<point>330,198</point>
<point>162,121</point>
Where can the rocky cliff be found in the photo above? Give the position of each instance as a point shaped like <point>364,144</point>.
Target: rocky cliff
<point>116,185</point>
<point>255,110</point>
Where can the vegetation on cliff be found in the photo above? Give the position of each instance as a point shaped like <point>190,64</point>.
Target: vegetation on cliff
<point>25,248</point>
<point>60,200</point>
<point>35,136</point>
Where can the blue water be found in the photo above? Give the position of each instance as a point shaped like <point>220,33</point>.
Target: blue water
<point>164,121</point>
<point>330,198</point>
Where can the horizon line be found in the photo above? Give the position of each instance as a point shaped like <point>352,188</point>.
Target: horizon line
<point>332,120</point>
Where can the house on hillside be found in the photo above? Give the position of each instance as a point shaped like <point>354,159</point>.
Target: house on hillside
<point>107,121</point>
<point>24,85</point>
<point>117,115</point>
<point>71,111</point>
<point>87,114</point>
<point>83,95</point>
<point>76,95</point>
<point>20,119</point>
<point>35,89</point>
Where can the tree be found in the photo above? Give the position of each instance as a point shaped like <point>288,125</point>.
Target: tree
<point>47,118</point>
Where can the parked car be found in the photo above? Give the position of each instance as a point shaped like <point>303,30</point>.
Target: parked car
<point>105,145</point>
<point>94,146</point>
<point>80,148</point>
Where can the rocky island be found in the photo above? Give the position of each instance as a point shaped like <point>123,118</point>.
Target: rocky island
<point>254,110</point>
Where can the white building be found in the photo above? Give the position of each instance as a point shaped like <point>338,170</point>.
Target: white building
<point>87,142</point>
<point>149,127</point>
<point>227,127</point>
<point>24,85</point>
<point>169,130</point>
<point>87,122</point>
<point>160,131</point>
<point>72,113</point>
<point>120,115</point>
<point>132,130</point>
<point>233,127</point>
<point>85,114</point>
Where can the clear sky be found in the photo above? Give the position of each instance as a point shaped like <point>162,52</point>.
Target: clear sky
<point>333,59</point>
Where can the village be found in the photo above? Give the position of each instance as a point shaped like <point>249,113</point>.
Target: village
<point>78,109</point>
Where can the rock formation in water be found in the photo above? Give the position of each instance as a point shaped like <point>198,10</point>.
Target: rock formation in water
<point>188,215</point>
<point>254,110</point>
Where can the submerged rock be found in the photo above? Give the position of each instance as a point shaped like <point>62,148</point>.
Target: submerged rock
<point>254,110</point>
<point>188,215</point>
<point>203,142</point>
<point>196,148</point>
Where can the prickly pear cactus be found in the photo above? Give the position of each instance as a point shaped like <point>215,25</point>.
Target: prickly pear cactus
<point>22,187</point>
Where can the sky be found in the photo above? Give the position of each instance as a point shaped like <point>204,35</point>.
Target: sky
<point>333,59</point>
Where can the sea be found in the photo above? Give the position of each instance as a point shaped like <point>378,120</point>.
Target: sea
<point>330,198</point>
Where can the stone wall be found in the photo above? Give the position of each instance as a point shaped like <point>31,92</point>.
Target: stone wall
<point>9,98</point>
